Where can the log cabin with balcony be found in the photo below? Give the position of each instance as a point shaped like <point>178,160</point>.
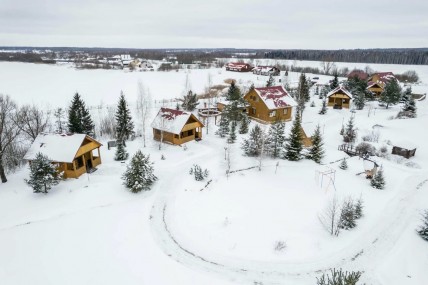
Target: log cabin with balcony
<point>376,83</point>
<point>339,98</point>
<point>270,104</point>
<point>75,154</point>
<point>176,127</point>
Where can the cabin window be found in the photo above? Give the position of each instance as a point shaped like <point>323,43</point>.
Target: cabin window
<point>176,136</point>
<point>253,111</point>
<point>272,113</point>
<point>190,133</point>
<point>69,166</point>
<point>285,111</point>
<point>158,132</point>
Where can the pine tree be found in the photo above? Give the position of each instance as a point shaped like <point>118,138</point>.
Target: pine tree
<point>342,130</point>
<point>316,152</point>
<point>198,173</point>
<point>233,93</point>
<point>358,209</point>
<point>360,100</point>
<point>121,153</point>
<point>43,174</point>
<point>223,129</point>
<point>323,110</point>
<point>423,229</point>
<point>79,119</point>
<point>275,139</point>
<point>347,216</point>
<point>391,94</point>
<point>253,145</point>
<point>335,82</point>
<point>350,133</point>
<point>190,101</point>
<point>344,164</point>
<point>232,133</point>
<point>294,145</point>
<point>243,128</point>
<point>303,89</point>
<point>139,173</point>
<point>271,82</point>
<point>124,124</point>
<point>378,181</point>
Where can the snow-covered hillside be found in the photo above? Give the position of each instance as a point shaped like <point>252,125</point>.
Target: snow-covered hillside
<point>92,230</point>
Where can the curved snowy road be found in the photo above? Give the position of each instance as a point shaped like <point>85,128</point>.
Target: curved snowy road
<point>365,254</point>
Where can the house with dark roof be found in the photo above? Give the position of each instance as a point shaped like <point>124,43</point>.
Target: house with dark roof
<point>74,154</point>
<point>358,73</point>
<point>239,67</point>
<point>376,82</point>
<point>339,98</point>
<point>176,127</point>
<point>270,104</point>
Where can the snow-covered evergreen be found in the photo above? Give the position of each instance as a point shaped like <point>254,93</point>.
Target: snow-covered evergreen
<point>253,145</point>
<point>124,124</point>
<point>378,181</point>
<point>223,129</point>
<point>423,229</point>
<point>189,101</point>
<point>323,110</point>
<point>139,173</point>
<point>43,174</point>
<point>391,94</point>
<point>232,133</point>
<point>271,81</point>
<point>344,164</point>
<point>350,133</point>
<point>198,173</point>
<point>316,152</point>
<point>121,153</point>
<point>79,119</point>
<point>243,127</point>
<point>294,145</point>
<point>275,139</point>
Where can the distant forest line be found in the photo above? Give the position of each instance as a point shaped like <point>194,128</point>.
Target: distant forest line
<point>412,56</point>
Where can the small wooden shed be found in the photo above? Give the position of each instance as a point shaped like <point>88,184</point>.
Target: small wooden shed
<point>176,126</point>
<point>75,154</point>
<point>404,148</point>
<point>339,98</point>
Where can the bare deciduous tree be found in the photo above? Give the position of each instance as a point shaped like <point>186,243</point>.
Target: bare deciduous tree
<point>32,121</point>
<point>9,130</point>
<point>330,217</point>
<point>144,107</point>
<point>327,66</point>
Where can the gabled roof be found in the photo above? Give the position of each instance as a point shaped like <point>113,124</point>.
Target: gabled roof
<point>384,77</point>
<point>238,64</point>
<point>340,88</point>
<point>171,120</point>
<point>57,147</point>
<point>359,74</point>
<point>371,84</point>
<point>275,97</point>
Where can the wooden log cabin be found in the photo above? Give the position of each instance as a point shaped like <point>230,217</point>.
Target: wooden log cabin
<point>270,104</point>
<point>74,154</point>
<point>376,82</point>
<point>339,98</point>
<point>239,67</point>
<point>176,127</point>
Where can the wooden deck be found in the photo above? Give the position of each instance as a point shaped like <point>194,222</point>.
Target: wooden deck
<point>350,150</point>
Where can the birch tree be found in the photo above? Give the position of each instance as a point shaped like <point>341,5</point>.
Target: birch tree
<point>144,107</point>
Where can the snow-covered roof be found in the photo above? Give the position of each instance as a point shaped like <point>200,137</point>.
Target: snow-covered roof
<point>275,97</point>
<point>340,88</point>
<point>57,147</point>
<point>170,120</point>
<point>405,144</point>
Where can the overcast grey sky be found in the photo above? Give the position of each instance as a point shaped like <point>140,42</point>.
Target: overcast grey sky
<point>330,24</point>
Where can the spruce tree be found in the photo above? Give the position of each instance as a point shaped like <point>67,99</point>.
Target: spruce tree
<point>323,110</point>
<point>347,216</point>
<point>378,181</point>
<point>243,128</point>
<point>303,89</point>
<point>344,164</point>
<point>360,100</point>
<point>79,119</point>
<point>223,129</point>
<point>43,174</point>
<point>253,145</point>
<point>121,153</point>
<point>316,152</point>
<point>139,173</point>
<point>423,229</point>
<point>124,124</point>
<point>350,133</point>
<point>335,82</point>
<point>358,209</point>
<point>271,81</point>
<point>294,145</point>
<point>190,101</point>
<point>232,133</point>
<point>233,93</point>
<point>275,139</point>
<point>198,173</point>
<point>391,94</point>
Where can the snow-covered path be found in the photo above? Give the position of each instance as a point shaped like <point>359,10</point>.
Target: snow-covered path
<point>365,255</point>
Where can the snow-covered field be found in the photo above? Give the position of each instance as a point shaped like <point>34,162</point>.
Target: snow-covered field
<point>91,230</point>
